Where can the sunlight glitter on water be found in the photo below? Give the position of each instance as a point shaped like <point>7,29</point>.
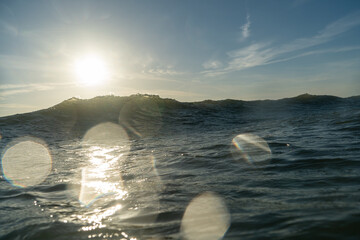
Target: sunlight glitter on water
<point>97,216</point>
<point>101,177</point>
<point>106,144</point>
<point>26,162</point>
<point>102,192</point>
<point>94,185</point>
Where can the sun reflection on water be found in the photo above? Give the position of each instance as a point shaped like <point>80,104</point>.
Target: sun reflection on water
<point>105,144</point>
<point>101,193</point>
<point>95,185</point>
<point>98,215</point>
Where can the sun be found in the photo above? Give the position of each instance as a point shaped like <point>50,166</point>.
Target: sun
<point>91,70</point>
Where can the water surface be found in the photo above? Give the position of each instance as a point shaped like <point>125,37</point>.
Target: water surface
<point>142,167</point>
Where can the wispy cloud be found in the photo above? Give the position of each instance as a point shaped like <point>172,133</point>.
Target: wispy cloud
<point>212,64</point>
<point>12,89</point>
<point>163,71</point>
<point>245,29</point>
<point>26,63</point>
<point>38,41</point>
<point>258,54</point>
<point>8,28</point>
<point>15,105</point>
<point>317,52</point>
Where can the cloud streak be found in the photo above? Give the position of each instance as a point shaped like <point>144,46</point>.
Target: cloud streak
<point>12,89</point>
<point>212,64</point>
<point>26,63</point>
<point>163,71</point>
<point>6,27</point>
<point>245,29</point>
<point>258,54</point>
<point>15,105</point>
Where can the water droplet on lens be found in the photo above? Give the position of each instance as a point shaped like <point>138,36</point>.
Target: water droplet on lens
<point>27,162</point>
<point>251,148</point>
<point>205,218</point>
<point>107,134</point>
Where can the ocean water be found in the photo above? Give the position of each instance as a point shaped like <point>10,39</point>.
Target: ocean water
<point>143,167</point>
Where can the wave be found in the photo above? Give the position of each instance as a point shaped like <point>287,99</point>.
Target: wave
<point>113,104</point>
<point>144,115</point>
<point>308,181</point>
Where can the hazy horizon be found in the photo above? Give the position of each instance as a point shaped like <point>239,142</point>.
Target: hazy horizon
<point>186,50</point>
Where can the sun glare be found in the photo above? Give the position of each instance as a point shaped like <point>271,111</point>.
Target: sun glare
<point>91,70</point>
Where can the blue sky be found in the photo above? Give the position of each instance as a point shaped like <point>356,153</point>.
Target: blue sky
<point>187,50</point>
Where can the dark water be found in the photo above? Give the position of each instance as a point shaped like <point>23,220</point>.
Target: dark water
<point>143,167</point>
